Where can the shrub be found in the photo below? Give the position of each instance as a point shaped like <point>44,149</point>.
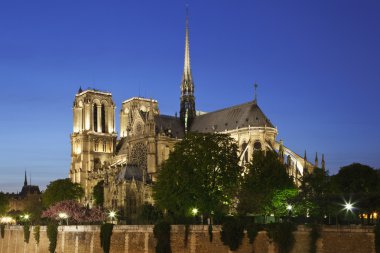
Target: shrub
<point>232,233</point>
<point>2,230</point>
<point>210,236</point>
<point>315,233</point>
<point>282,235</point>
<point>377,238</point>
<point>26,233</point>
<point>161,232</point>
<point>52,233</point>
<point>105,236</point>
<point>36,233</point>
<point>252,231</point>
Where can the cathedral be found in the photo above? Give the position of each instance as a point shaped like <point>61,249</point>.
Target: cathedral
<point>127,164</point>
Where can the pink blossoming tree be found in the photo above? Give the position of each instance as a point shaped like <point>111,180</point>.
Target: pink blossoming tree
<point>72,211</point>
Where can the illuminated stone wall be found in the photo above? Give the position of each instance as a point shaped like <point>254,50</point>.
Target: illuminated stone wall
<point>139,239</point>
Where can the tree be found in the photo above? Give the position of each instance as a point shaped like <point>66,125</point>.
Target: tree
<point>98,193</point>
<point>357,178</point>
<point>4,203</point>
<point>61,189</point>
<point>201,174</point>
<point>360,184</point>
<point>149,214</point>
<point>71,210</point>
<point>265,183</point>
<point>316,194</point>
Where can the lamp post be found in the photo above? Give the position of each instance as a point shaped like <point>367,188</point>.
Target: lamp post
<point>348,206</point>
<point>289,208</point>
<point>112,214</point>
<point>64,216</point>
<point>25,217</point>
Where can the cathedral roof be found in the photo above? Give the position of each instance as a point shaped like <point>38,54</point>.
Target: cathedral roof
<point>131,171</point>
<point>239,116</point>
<point>170,126</point>
<point>30,189</point>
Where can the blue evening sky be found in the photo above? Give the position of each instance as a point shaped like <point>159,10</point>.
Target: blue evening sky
<point>317,64</point>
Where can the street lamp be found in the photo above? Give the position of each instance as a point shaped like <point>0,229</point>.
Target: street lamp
<point>64,216</point>
<point>25,217</point>
<point>348,206</point>
<point>112,214</point>
<point>194,211</point>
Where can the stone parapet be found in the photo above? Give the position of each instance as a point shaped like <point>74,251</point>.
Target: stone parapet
<point>139,239</point>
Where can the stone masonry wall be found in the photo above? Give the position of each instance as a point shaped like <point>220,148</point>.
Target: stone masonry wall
<point>139,239</point>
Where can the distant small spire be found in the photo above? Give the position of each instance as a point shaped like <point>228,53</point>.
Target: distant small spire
<point>323,163</point>
<point>25,180</point>
<point>255,86</point>
<point>305,161</point>
<point>316,160</point>
<point>80,89</point>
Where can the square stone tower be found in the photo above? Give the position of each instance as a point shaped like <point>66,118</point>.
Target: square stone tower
<point>93,139</point>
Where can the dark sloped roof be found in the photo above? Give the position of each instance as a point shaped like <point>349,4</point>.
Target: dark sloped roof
<point>131,171</point>
<point>169,125</point>
<point>244,115</point>
<point>30,189</point>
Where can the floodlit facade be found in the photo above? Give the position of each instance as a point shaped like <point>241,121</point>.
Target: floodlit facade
<point>128,163</point>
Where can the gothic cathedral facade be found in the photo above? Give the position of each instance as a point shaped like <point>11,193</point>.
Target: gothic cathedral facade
<point>127,164</point>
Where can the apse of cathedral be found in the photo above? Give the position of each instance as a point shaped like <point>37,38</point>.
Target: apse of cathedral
<point>128,163</point>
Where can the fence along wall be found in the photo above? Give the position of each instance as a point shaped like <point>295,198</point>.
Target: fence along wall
<point>139,239</point>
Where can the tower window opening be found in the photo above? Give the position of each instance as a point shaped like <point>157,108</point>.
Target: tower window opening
<point>257,145</point>
<point>95,114</point>
<point>96,146</point>
<point>104,146</point>
<point>103,118</point>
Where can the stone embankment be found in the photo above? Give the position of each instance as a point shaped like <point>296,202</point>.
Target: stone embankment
<point>139,239</point>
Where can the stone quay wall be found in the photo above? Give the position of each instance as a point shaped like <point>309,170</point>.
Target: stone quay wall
<point>139,239</point>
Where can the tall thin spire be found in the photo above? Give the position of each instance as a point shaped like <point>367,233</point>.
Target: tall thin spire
<point>186,65</point>
<point>316,160</point>
<point>25,180</point>
<point>187,108</point>
<point>255,86</point>
<point>323,162</point>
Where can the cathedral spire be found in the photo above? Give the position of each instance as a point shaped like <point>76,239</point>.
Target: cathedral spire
<point>255,86</point>
<point>187,108</point>
<point>316,160</point>
<point>323,163</point>
<point>25,180</point>
<point>186,65</point>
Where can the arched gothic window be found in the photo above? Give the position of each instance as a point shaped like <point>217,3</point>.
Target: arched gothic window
<point>95,117</point>
<point>103,118</point>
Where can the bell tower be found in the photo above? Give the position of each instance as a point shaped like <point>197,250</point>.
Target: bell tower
<point>93,139</point>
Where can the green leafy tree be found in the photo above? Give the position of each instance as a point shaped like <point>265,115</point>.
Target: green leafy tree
<point>316,194</point>
<point>4,203</point>
<point>264,185</point>
<point>202,172</point>
<point>98,193</point>
<point>360,184</point>
<point>149,214</point>
<point>357,178</point>
<point>61,189</point>
<point>283,202</point>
